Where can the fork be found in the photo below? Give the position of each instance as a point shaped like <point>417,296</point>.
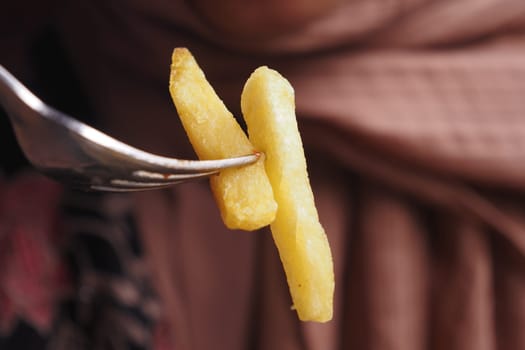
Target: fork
<point>79,155</point>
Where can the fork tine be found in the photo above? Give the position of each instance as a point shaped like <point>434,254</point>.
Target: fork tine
<point>109,188</point>
<point>131,186</point>
<point>169,178</point>
<point>141,182</point>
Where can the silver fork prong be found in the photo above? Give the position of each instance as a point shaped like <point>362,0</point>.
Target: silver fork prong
<point>145,175</point>
<point>145,159</point>
<point>119,185</point>
<point>141,177</point>
<point>109,188</point>
<point>149,182</point>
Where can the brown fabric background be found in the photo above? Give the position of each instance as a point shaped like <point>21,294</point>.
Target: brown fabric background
<point>413,116</point>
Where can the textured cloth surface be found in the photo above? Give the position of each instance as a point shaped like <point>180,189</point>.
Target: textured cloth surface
<point>413,117</point>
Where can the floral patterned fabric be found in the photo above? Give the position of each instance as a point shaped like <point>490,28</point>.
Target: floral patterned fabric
<point>72,273</point>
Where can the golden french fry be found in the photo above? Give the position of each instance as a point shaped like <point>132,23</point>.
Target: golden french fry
<point>244,195</point>
<point>269,110</point>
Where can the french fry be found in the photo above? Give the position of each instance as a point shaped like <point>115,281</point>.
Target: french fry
<point>268,107</point>
<point>244,195</point>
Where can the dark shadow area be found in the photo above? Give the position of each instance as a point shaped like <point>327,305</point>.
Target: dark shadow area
<point>54,81</point>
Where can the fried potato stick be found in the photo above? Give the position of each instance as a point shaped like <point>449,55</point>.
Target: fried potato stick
<point>268,107</point>
<point>244,195</point>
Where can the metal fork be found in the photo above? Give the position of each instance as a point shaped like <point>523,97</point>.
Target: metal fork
<point>79,155</point>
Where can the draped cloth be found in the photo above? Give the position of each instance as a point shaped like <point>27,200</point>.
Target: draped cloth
<point>413,118</point>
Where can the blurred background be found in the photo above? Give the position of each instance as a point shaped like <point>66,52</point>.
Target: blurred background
<point>412,114</point>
